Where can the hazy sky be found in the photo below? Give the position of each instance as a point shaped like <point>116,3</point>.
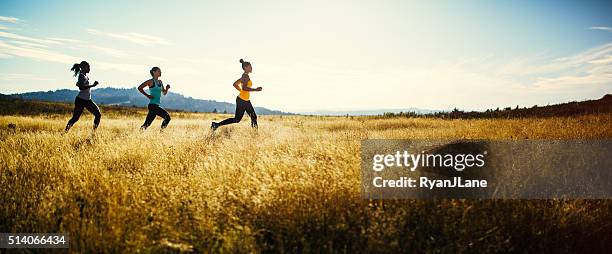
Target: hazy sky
<point>320,55</point>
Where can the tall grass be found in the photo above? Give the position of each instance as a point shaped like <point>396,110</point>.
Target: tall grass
<point>291,186</point>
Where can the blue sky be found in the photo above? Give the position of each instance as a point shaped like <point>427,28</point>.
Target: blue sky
<point>320,55</point>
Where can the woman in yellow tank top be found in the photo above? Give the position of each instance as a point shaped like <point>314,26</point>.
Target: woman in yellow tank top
<point>243,102</point>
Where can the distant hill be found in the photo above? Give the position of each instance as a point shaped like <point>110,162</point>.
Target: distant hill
<point>34,103</point>
<point>131,97</point>
<point>603,105</point>
<point>368,112</point>
<point>12,105</point>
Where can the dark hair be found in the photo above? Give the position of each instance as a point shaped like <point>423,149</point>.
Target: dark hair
<point>244,64</point>
<point>154,69</point>
<point>77,67</point>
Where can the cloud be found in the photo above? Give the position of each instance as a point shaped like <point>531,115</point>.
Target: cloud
<point>45,43</point>
<point>49,55</point>
<point>49,50</point>
<point>20,76</point>
<point>5,56</point>
<point>83,44</point>
<point>65,40</point>
<point>583,71</point>
<point>159,59</point>
<point>577,71</point>
<point>572,82</point>
<point>32,48</point>
<point>126,68</point>
<point>138,38</point>
<point>26,38</point>
<point>482,83</point>
<point>30,44</point>
<point>603,28</point>
<point>36,53</point>
<point>9,19</point>
<point>105,50</point>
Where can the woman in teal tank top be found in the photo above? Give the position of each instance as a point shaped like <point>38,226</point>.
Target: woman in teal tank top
<point>156,89</point>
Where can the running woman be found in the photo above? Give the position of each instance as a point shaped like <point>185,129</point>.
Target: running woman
<point>242,101</point>
<point>83,99</point>
<point>156,88</point>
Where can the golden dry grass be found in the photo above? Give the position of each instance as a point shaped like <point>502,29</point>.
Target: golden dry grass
<point>291,186</point>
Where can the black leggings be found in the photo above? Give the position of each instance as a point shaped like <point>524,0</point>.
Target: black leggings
<point>79,105</point>
<point>156,110</point>
<point>241,106</point>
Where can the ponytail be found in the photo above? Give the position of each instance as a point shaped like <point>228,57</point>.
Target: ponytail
<point>244,63</point>
<point>78,67</point>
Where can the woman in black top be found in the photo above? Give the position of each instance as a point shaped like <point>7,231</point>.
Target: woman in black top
<point>83,99</point>
<point>243,102</point>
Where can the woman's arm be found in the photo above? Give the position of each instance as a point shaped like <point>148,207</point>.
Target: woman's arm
<point>246,88</point>
<point>236,85</point>
<point>245,80</point>
<point>165,91</point>
<point>141,88</point>
<point>83,87</point>
<point>83,84</point>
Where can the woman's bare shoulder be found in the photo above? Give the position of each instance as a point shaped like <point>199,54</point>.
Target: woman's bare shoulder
<point>148,82</point>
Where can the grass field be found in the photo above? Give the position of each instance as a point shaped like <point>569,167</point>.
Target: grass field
<point>291,186</point>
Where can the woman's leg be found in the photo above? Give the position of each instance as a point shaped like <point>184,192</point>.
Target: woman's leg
<point>93,108</point>
<point>251,111</point>
<point>150,117</point>
<point>76,113</point>
<point>164,114</point>
<point>240,108</point>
